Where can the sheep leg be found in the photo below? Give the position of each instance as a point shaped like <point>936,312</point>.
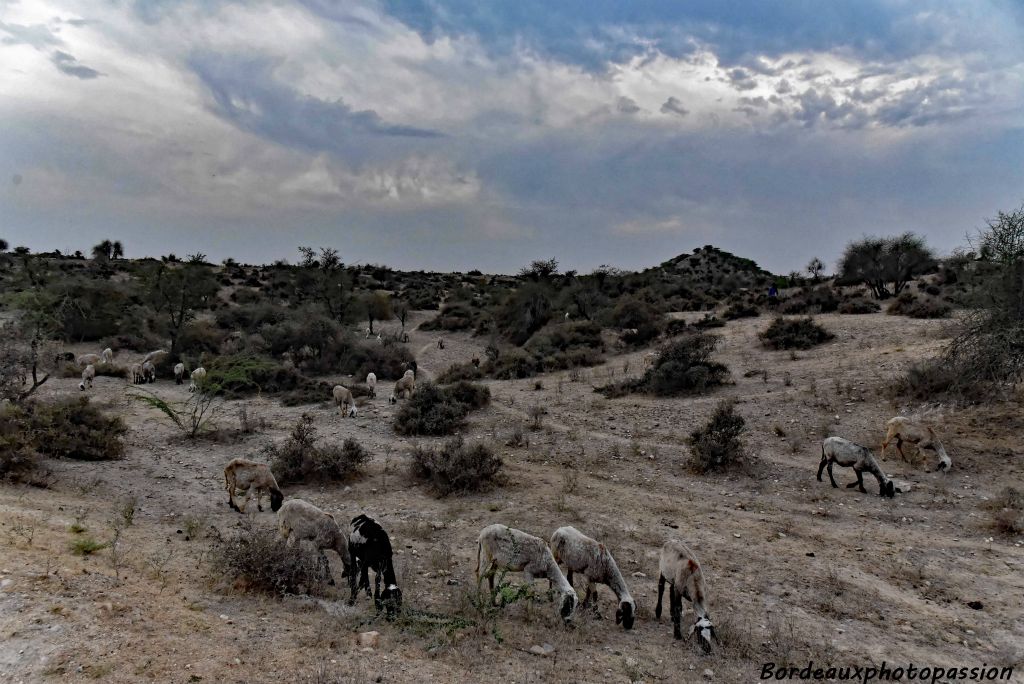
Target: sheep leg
<point>675,605</point>
<point>364,579</point>
<point>245,501</point>
<point>661,590</point>
<point>326,565</point>
<point>830,475</point>
<point>821,466</point>
<point>259,500</point>
<point>352,577</point>
<point>859,483</point>
<point>568,577</point>
<point>899,448</point>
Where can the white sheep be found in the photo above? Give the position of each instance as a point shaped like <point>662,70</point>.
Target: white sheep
<point>197,376</point>
<point>135,373</point>
<point>592,559</point>
<point>680,569</point>
<point>89,360</point>
<point>851,455</point>
<point>300,520</point>
<point>179,373</point>
<point>241,475</point>
<point>906,430</point>
<point>87,375</point>
<point>153,355</point>
<point>148,372</point>
<point>505,548</point>
<point>342,398</point>
<point>108,355</point>
<point>371,384</point>
<point>404,388</point>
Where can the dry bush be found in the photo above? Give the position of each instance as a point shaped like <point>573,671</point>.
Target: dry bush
<point>439,410</point>
<point>258,560</point>
<point>913,306</point>
<point>18,458</point>
<point>300,459</point>
<point>717,445</point>
<point>71,428</point>
<point>1007,512</point>
<point>456,467</point>
<point>794,333</point>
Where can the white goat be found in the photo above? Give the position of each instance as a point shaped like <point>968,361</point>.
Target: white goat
<point>371,384</point>
<point>591,559</point>
<point>241,475</point>
<point>197,376</point>
<point>87,375</point>
<point>906,430</point>
<point>342,398</point>
<point>505,548</point>
<point>851,455</point>
<point>300,520</point>
<point>680,569</point>
<point>179,373</point>
<point>404,388</point>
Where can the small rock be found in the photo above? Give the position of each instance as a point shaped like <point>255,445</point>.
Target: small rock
<point>6,583</point>
<point>369,639</point>
<point>640,575</point>
<point>709,673</point>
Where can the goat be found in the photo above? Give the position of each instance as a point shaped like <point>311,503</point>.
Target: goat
<point>591,559</point>
<point>240,475</point>
<point>679,568</point>
<point>851,455</point>
<point>904,429</point>
<point>300,520</point>
<point>370,547</point>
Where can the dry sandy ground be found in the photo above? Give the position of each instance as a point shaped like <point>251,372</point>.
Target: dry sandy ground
<point>796,570</point>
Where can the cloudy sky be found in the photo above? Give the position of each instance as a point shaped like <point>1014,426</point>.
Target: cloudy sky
<point>453,134</point>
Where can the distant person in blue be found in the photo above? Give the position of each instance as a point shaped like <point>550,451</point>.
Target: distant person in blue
<point>773,295</point>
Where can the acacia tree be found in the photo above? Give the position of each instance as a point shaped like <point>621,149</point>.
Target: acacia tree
<point>815,267</point>
<point>401,311</point>
<point>877,262</point>
<point>23,347</point>
<point>178,291</point>
<point>322,277</point>
<point>377,306</point>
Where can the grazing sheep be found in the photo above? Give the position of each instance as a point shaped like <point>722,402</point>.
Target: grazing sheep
<point>108,355</point>
<point>197,377</point>
<point>851,455</point>
<point>342,398</point>
<point>505,548</point>
<point>410,366</point>
<point>380,339</point>
<point>679,567</point>
<point>136,374</point>
<point>300,520</point>
<point>179,373</point>
<point>241,475</point>
<point>63,357</point>
<point>906,430</point>
<point>89,360</point>
<point>476,362</point>
<point>591,559</point>
<point>404,388</point>
<point>371,548</point>
<point>371,384</point>
<point>87,375</point>
<point>440,343</point>
<point>153,355</point>
<point>567,315</point>
<point>368,333</point>
<point>148,372</point>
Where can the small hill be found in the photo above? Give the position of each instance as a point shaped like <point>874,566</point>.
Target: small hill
<point>708,276</point>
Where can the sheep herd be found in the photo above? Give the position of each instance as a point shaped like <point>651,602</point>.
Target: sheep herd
<point>365,545</point>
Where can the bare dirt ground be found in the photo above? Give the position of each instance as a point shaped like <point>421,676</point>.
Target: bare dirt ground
<point>796,570</point>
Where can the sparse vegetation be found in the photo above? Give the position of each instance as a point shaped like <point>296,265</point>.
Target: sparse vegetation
<point>439,410</point>
<point>256,559</point>
<point>794,333</point>
<point>300,459</point>
<point>717,445</point>
<point>457,467</point>
<point>683,367</point>
<point>65,428</point>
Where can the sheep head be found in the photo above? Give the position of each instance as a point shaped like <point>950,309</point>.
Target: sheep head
<point>886,488</point>
<point>569,600</point>
<point>276,499</point>
<point>625,615</point>
<point>705,632</point>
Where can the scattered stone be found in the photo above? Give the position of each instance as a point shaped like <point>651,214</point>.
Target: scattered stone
<point>369,639</point>
<point>542,649</point>
<point>709,673</point>
<point>640,575</point>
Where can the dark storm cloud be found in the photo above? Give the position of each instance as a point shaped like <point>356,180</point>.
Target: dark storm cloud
<point>673,105</point>
<point>68,65</point>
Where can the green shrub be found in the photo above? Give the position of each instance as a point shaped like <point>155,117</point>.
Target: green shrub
<point>634,314</point>
<point>859,305</point>
<point>709,321</point>
<point>810,300</point>
<point>74,428</point>
<point>717,445</point>
<point>18,457</point>
<point>439,410</point>
<point>460,371</point>
<point>300,459</point>
<point>455,316</point>
<point>683,367</point>
<point>456,467</point>
<point>741,310</point>
<point>794,333</point>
